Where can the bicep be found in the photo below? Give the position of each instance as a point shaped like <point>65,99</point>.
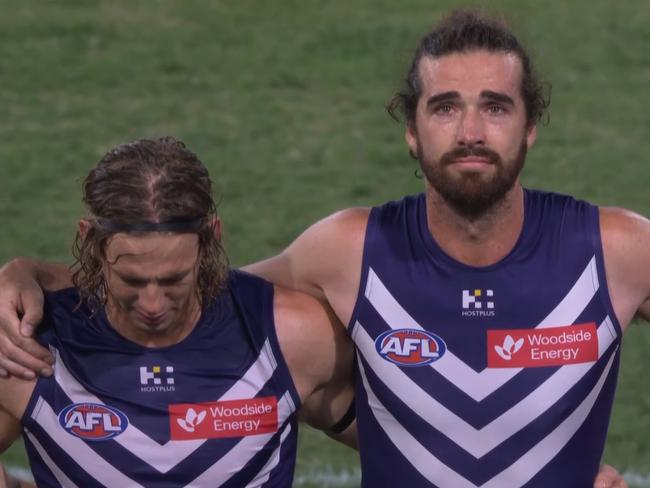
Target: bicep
<point>626,240</point>
<point>332,397</point>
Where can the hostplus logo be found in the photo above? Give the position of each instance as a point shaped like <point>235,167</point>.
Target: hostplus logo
<point>478,303</point>
<point>155,379</point>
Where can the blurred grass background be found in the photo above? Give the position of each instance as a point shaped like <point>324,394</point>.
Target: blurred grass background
<point>284,101</point>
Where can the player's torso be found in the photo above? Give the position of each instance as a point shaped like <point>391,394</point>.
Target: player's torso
<point>496,376</point>
<point>216,409</point>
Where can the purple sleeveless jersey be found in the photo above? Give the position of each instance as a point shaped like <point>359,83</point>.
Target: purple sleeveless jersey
<point>217,409</point>
<point>500,376</point>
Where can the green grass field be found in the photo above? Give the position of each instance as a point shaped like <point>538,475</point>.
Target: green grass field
<point>284,102</point>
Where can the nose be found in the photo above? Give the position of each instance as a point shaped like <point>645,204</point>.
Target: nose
<point>471,131</point>
<point>151,300</point>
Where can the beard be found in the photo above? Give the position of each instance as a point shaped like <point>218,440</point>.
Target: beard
<point>472,194</point>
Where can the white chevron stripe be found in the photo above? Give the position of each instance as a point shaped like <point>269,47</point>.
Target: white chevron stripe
<point>479,385</point>
<point>273,461</point>
<point>478,442</point>
<point>528,465</point>
<point>232,462</point>
<point>93,463</point>
<point>165,456</point>
<point>58,474</point>
<point>517,474</point>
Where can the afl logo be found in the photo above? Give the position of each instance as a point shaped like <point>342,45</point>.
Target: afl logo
<point>93,421</point>
<point>410,347</point>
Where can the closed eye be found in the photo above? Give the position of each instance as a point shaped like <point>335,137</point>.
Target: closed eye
<point>136,283</point>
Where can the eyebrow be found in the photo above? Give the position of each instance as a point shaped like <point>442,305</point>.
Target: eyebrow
<point>443,97</point>
<point>173,277</point>
<point>485,94</point>
<point>497,97</point>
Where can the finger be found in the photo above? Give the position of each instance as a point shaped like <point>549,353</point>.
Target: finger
<point>16,346</point>
<point>34,357</point>
<point>16,369</point>
<point>604,478</point>
<point>27,355</point>
<point>32,307</point>
<point>609,477</point>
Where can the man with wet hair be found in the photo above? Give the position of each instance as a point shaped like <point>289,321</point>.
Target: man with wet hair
<point>487,317</point>
<point>172,369</point>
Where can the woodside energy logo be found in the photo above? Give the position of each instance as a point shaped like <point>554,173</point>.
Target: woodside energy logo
<point>551,346</point>
<point>229,418</point>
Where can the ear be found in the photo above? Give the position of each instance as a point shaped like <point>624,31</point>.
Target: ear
<point>84,227</point>
<point>531,136</point>
<point>411,137</point>
<point>216,228</point>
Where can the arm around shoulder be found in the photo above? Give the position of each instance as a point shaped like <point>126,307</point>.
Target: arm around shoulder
<point>319,255</point>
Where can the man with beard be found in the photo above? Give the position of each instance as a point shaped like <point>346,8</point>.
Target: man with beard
<point>487,317</point>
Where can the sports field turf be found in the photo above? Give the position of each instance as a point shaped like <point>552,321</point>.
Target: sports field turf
<point>284,100</point>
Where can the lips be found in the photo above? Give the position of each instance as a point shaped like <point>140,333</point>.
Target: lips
<point>472,160</point>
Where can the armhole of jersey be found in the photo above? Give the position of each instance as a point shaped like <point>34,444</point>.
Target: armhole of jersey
<point>597,245</point>
<point>265,316</point>
<point>363,280</point>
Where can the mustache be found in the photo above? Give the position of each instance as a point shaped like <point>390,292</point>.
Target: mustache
<point>468,151</point>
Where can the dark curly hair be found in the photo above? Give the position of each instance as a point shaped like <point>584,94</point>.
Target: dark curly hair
<point>156,181</point>
<point>468,30</point>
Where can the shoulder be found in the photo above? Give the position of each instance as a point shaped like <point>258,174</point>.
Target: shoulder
<point>326,252</point>
<point>623,230</point>
<point>342,226</point>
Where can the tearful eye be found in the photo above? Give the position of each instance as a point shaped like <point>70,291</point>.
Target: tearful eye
<point>445,108</point>
<point>495,109</point>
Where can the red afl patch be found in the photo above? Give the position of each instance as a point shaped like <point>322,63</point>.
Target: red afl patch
<point>231,418</point>
<point>552,346</point>
<point>410,347</point>
<point>93,421</point>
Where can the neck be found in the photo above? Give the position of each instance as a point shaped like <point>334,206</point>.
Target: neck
<point>479,242</point>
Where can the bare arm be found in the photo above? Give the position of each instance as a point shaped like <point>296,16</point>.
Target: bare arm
<point>21,310</point>
<point>626,245</point>
<point>324,261</point>
<point>9,430</point>
<point>320,357</point>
